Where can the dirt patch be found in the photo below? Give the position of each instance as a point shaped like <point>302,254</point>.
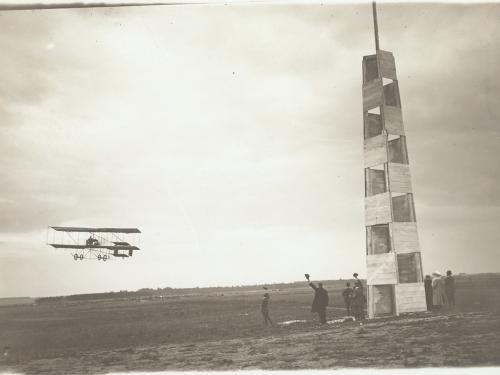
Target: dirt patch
<point>465,339</point>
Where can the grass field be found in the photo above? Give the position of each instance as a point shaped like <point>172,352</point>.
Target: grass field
<point>214,331</point>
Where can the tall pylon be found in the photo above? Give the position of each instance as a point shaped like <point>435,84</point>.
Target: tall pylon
<point>394,265</point>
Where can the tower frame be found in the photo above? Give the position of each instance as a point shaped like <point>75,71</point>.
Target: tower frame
<point>394,265</point>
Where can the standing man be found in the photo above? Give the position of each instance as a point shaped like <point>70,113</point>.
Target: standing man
<point>347,294</point>
<point>449,287</point>
<point>320,300</point>
<point>438,291</point>
<point>428,291</point>
<point>358,304</point>
<point>358,296</point>
<point>358,282</point>
<point>265,310</point>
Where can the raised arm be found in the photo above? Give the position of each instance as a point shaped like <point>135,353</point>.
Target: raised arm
<point>311,284</point>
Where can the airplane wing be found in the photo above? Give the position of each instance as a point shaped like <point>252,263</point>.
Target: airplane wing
<point>96,230</point>
<point>107,247</point>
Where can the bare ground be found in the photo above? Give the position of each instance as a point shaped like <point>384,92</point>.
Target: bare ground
<point>421,340</point>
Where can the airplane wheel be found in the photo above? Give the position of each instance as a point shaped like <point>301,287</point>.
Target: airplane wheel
<point>75,257</point>
<point>104,257</point>
<point>81,256</point>
<point>99,257</point>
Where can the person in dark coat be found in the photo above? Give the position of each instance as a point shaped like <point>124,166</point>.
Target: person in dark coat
<point>320,301</point>
<point>428,291</point>
<point>438,292</point>
<point>358,299</point>
<point>347,294</point>
<point>265,310</point>
<point>449,288</point>
<point>357,282</point>
<point>358,304</point>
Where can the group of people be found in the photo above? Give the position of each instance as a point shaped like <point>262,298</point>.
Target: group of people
<point>439,291</point>
<point>354,298</point>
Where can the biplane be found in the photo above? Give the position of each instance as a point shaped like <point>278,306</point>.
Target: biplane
<point>95,243</point>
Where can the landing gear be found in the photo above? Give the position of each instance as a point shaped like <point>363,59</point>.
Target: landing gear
<point>102,257</point>
<point>75,257</point>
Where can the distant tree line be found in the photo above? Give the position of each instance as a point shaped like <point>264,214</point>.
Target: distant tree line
<point>168,291</point>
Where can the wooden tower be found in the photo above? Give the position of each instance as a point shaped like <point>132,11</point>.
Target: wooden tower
<point>394,267</point>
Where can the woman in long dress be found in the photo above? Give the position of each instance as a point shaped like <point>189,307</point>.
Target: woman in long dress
<point>438,291</point>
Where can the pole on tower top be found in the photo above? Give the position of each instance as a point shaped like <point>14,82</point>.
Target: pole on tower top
<point>375,24</point>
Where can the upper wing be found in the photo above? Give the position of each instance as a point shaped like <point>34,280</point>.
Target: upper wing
<point>96,230</point>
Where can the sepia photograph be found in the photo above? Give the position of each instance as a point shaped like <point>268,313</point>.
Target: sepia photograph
<point>249,185</point>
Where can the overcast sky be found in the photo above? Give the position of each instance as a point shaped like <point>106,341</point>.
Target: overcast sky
<point>232,137</point>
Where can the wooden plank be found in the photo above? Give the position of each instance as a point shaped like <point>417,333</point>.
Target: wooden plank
<point>397,151</point>
<point>370,68</point>
<point>378,239</point>
<point>373,125</point>
<point>405,237</point>
<point>378,209</point>
<point>387,64</point>
<point>372,94</point>
<point>382,300</point>
<point>393,118</point>
<point>402,208</point>
<point>369,291</point>
<point>410,297</point>
<point>409,269</point>
<point>381,269</point>
<point>391,94</point>
<point>375,150</point>
<point>399,178</point>
<point>375,182</point>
